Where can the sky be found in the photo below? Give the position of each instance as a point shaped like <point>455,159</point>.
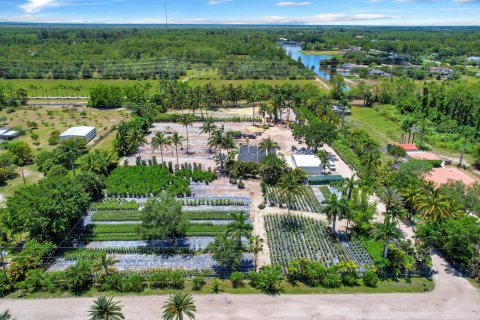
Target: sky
<point>309,12</point>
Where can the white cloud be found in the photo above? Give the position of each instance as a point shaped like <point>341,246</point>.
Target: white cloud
<point>466,1</point>
<point>293,4</point>
<point>215,2</point>
<point>32,6</point>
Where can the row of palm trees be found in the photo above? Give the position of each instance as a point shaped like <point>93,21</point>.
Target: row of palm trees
<point>65,87</point>
<point>179,306</point>
<point>160,141</point>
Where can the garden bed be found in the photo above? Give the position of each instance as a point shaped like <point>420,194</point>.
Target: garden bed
<point>304,201</point>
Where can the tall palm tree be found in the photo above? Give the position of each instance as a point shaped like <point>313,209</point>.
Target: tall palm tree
<point>347,187</point>
<point>335,208</point>
<point>388,232</point>
<point>263,110</point>
<point>410,195</point>
<point>176,141</point>
<point>105,309</point>
<point>239,227</point>
<point>104,264</point>
<point>178,306</point>
<point>136,138</point>
<point>290,186</point>
<point>208,127</point>
<point>256,246</point>
<point>187,120</point>
<point>267,145</point>
<point>433,205</point>
<point>391,198</point>
<point>159,141</point>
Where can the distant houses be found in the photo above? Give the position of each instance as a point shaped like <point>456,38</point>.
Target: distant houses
<point>85,133</point>
<point>340,109</point>
<point>473,59</point>
<point>440,71</point>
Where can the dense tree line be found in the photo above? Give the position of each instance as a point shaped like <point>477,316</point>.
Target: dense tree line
<point>145,53</point>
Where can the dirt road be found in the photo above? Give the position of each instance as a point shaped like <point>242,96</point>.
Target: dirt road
<point>453,298</point>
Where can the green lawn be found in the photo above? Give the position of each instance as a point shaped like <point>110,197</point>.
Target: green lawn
<point>51,87</point>
<point>416,285</point>
<point>381,129</point>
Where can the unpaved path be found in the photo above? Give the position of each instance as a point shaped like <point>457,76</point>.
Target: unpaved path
<point>453,298</point>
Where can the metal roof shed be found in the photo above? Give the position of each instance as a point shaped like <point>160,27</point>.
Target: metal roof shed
<point>86,133</point>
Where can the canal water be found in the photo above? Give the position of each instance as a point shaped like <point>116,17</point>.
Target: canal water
<point>309,60</point>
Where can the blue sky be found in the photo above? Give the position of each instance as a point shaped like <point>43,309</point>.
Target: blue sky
<point>308,12</point>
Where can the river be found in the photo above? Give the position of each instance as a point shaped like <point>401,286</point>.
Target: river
<point>309,60</point>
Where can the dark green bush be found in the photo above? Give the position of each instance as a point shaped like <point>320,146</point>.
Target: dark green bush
<point>133,283</point>
<point>237,279</point>
<point>370,279</point>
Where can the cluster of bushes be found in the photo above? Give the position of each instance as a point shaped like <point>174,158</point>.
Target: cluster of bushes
<point>347,155</point>
<point>313,273</point>
<point>153,180</point>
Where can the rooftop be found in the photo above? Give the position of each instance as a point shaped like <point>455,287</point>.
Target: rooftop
<point>77,131</point>
<point>440,176</point>
<point>306,160</point>
<point>249,153</point>
<point>408,146</point>
<point>423,156</point>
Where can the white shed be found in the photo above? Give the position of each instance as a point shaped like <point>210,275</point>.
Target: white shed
<point>85,133</point>
<point>310,163</point>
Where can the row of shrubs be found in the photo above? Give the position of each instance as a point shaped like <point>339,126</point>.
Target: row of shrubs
<point>177,118</point>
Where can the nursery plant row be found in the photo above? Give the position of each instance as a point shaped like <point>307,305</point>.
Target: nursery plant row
<point>126,215</point>
<point>305,200</point>
<point>293,237</point>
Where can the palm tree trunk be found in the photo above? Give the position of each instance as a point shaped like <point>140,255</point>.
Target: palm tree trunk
<point>385,250</point>
<point>161,152</point>
<point>176,151</point>
<point>463,151</point>
<point>186,128</point>
<point>334,222</point>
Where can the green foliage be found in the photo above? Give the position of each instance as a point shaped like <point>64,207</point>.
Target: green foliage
<point>315,134</point>
<point>47,210</point>
<point>78,277</point>
<point>21,150</point>
<point>143,180</point>
<point>106,97</point>
<point>370,278</point>
<point>197,283</point>
<point>237,279</point>
<point>244,169</point>
<point>271,169</point>
<point>269,279</point>
<point>163,219</point>
<point>227,252</point>
<point>105,309</point>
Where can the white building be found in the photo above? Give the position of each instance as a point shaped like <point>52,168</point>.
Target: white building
<point>310,163</point>
<point>85,133</point>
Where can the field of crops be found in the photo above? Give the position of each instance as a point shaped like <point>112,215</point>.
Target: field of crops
<point>304,201</point>
<point>292,237</point>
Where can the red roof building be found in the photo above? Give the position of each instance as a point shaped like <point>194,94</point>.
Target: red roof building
<point>440,176</point>
<point>408,147</point>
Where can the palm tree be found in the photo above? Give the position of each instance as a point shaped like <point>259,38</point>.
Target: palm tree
<point>208,127</point>
<point>267,145</point>
<point>104,264</point>
<point>99,161</point>
<point>256,246</point>
<point>187,120</point>
<point>159,141</point>
<point>290,186</point>
<point>410,195</point>
<point>105,309</point>
<point>323,156</point>
<point>221,141</point>
<point>176,141</point>
<point>6,315</point>
<point>388,232</point>
<point>335,208</point>
<point>467,132</point>
<point>135,138</point>
<point>263,110</point>
<point>391,198</point>
<point>433,205</point>
<point>348,186</point>
<point>178,306</point>
<point>239,227</point>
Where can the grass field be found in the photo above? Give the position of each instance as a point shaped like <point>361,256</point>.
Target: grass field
<point>381,129</point>
<point>52,88</point>
<point>388,286</point>
<point>218,82</point>
<point>49,119</point>
<point>31,176</point>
